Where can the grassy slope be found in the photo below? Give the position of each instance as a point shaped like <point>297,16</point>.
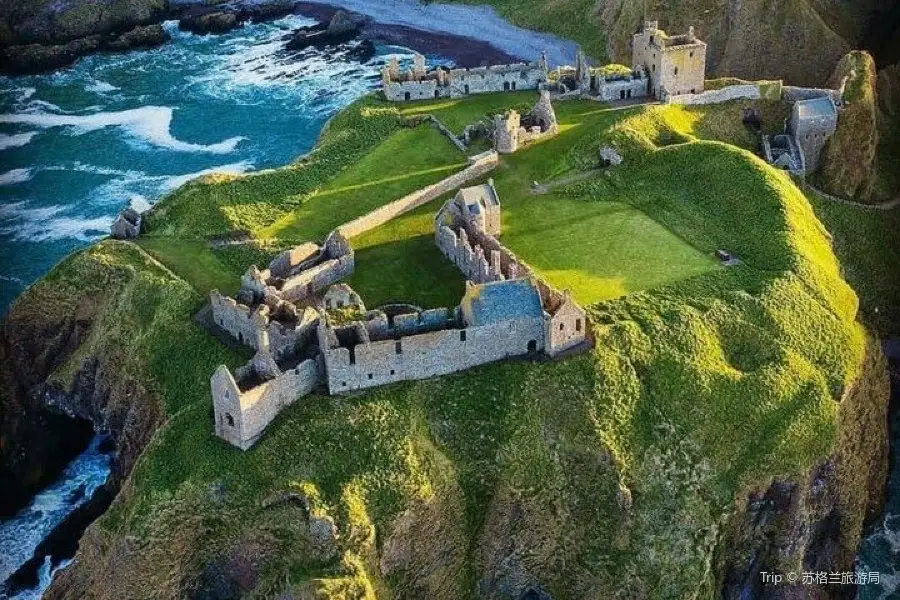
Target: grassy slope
<point>759,351</point>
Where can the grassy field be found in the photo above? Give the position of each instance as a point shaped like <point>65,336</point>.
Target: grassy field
<point>708,382</point>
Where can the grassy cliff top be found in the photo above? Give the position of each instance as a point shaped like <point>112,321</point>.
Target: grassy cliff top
<point>705,381</point>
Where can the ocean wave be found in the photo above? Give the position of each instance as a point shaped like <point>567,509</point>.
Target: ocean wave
<point>15,176</point>
<point>49,224</point>
<point>150,124</point>
<point>16,140</point>
<point>98,86</point>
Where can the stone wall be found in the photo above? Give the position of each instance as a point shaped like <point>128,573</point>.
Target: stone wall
<point>610,90</point>
<point>458,83</point>
<point>725,94</point>
<point>243,323</point>
<point>241,417</point>
<point>479,165</point>
<point>790,93</point>
<point>427,355</point>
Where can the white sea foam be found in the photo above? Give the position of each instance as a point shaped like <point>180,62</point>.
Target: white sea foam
<point>49,223</point>
<point>149,124</point>
<point>98,86</point>
<point>15,140</point>
<point>15,176</point>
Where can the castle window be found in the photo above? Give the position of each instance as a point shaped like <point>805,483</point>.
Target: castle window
<point>691,54</point>
<point>392,371</point>
<point>505,86</point>
<point>352,355</point>
<point>628,94</point>
<point>514,86</point>
<point>532,346</point>
<point>651,39</point>
<point>436,93</point>
<point>462,335</point>
<point>398,348</point>
<point>693,91</point>
<point>467,88</point>
<point>577,324</point>
<point>370,376</point>
<point>406,96</point>
<point>653,68</point>
<point>229,419</point>
<point>676,70</point>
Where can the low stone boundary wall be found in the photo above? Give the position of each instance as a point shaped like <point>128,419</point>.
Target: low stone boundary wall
<point>792,93</point>
<point>479,165</point>
<point>725,94</point>
<point>450,135</point>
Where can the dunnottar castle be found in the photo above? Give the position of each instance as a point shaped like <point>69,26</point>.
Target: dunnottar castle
<point>312,333</point>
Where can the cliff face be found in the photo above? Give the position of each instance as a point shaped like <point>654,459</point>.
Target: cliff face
<point>814,524</point>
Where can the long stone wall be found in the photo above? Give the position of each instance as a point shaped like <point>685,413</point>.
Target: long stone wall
<point>479,165</point>
<point>428,354</point>
<point>458,83</point>
<point>725,94</point>
<point>792,93</point>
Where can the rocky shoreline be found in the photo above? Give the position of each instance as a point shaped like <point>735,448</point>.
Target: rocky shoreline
<point>32,52</point>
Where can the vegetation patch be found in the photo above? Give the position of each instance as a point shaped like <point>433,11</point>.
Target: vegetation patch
<point>606,463</point>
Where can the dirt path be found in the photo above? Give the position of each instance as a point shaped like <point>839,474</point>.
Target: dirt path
<point>885,206</point>
<point>543,188</point>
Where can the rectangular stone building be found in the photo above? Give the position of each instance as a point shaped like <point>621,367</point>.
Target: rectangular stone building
<point>674,64</point>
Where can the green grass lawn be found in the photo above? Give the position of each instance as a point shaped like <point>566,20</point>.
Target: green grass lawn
<point>399,262</point>
<point>406,161</point>
<point>598,250</point>
<point>193,261</point>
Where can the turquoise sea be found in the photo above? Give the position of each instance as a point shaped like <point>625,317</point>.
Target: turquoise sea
<point>116,129</point>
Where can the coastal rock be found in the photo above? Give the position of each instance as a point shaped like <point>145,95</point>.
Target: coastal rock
<point>211,22</point>
<point>147,36</point>
<point>36,58</point>
<point>342,28</point>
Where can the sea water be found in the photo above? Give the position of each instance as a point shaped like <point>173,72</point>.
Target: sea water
<point>78,145</point>
<point>21,534</point>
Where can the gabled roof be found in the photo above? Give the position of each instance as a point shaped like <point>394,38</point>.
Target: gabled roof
<point>498,301</point>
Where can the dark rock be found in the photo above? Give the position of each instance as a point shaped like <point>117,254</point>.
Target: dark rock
<point>342,28</point>
<point>210,22</point>
<point>148,36</point>
<point>35,58</point>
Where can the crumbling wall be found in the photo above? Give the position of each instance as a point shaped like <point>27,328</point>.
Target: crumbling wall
<point>479,165</point>
<point>241,322</point>
<point>610,90</point>
<point>725,94</point>
<point>429,354</point>
<point>241,420</point>
<point>790,93</point>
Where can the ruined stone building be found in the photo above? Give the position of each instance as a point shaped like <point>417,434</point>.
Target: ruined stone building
<point>477,252</point>
<point>127,225</point>
<point>674,64</point>
<point>512,131</point>
<point>285,314</point>
<point>419,83</point>
<point>813,120</point>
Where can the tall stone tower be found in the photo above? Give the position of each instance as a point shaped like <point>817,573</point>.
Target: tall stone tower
<point>506,132</point>
<point>674,64</point>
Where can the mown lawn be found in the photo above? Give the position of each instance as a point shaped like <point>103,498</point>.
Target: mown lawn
<point>597,250</point>
<point>399,262</point>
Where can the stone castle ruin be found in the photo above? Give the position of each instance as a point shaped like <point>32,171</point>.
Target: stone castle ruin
<point>285,313</point>
<point>674,65</point>
<point>813,120</point>
<point>420,83</point>
<point>512,131</point>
